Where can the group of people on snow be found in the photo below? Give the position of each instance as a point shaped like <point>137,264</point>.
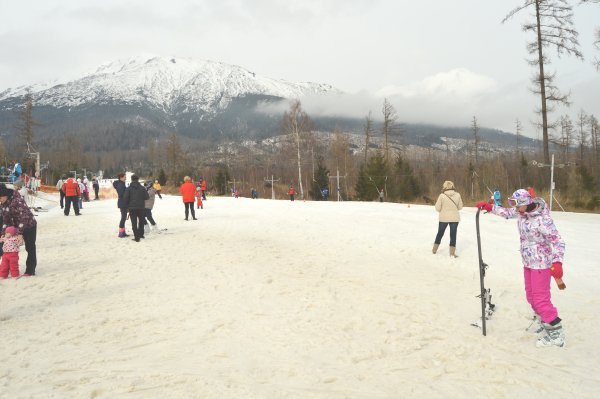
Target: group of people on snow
<point>542,247</point>
<point>78,191</point>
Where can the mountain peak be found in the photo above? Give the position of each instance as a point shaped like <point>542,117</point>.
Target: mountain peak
<point>167,83</point>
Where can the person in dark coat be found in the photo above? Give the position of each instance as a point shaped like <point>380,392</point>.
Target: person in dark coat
<point>119,185</point>
<point>15,212</point>
<point>96,187</point>
<point>134,200</point>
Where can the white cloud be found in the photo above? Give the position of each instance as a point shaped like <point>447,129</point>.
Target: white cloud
<point>456,84</point>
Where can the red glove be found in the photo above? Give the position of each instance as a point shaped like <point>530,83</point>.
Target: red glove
<point>556,270</point>
<point>484,205</point>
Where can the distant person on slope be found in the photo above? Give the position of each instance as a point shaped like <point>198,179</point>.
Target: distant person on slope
<point>188,193</point>
<point>157,187</point>
<point>149,204</point>
<point>448,204</point>
<point>134,200</point>
<point>291,192</point>
<point>119,185</point>
<point>96,187</point>
<point>70,189</point>
<point>542,253</point>
<point>59,185</point>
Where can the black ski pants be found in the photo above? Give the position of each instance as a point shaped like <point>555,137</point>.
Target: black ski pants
<point>189,206</point>
<point>71,199</point>
<point>137,222</point>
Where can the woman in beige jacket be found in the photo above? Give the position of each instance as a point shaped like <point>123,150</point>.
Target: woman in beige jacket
<point>448,204</point>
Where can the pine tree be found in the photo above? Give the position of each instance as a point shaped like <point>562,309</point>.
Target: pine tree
<point>407,186</point>
<point>320,181</point>
<point>372,178</point>
<point>162,177</point>
<point>221,180</point>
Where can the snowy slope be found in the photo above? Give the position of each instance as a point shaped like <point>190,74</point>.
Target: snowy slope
<point>170,84</point>
<point>274,299</point>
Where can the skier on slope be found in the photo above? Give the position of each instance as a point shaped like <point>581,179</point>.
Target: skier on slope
<point>542,252</point>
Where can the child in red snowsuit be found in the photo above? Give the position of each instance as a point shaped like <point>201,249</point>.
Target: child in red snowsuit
<point>10,259</point>
<point>199,197</point>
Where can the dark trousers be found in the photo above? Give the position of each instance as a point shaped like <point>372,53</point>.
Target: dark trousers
<point>62,199</point>
<point>137,222</point>
<point>71,199</point>
<point>291,197</point>
<point>123,217</point>
<point>96,189</point>
<point>29,236</point>
<point>189,206</point>
<point>442,228</point>
<point>149,217</point>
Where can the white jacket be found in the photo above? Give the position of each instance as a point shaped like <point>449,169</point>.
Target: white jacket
<point>448,204</point>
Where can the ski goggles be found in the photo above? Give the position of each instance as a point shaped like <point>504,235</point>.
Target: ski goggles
<point>518,201</point>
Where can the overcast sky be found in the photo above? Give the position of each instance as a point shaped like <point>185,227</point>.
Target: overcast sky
<point>438,61</point>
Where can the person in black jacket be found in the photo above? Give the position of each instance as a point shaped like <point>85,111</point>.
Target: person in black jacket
<point>134,200</point>
<point>119,185</point>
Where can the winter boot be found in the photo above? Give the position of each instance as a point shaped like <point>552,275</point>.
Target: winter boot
<point>435,248</point>
<point>453,252</point>
<point>122,233</point>
<point>146,229</point>
<point>554,336</point>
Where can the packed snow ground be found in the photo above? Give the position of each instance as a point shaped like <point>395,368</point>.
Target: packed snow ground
<point>274,299</point>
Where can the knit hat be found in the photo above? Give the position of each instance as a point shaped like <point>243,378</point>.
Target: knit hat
<point>448,185</point>
<point>11,230</point>
<point>520,197</point>
<point>5,191</point>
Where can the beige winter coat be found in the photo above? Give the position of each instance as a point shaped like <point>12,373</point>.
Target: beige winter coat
<point>448,204</point>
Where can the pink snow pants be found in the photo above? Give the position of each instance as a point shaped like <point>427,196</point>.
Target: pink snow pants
<point>10,260</point>
<point>537,290</point>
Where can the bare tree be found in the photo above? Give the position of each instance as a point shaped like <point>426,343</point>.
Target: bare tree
<point>25,127</point>
<point>553,27</point>
<point>594,135</point>
<point>368,133</point>
<point>566,136</point>
<point>389,117</point>
<point>597,37</point>
<point>582,120</point>
<point>296,122</point>
<point>518,131</point>
<point>475,130</point>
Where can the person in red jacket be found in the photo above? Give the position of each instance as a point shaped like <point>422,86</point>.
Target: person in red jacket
<point>199,196</point>
<point>203,188</point>
<point>188,194</point>
<point>72,193</point>
<point>292,192</point>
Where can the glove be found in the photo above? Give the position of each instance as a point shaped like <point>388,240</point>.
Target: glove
<point>556,270</point>
<point>485,206</point>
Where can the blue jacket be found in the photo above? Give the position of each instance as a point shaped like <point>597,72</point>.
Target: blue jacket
<point>120,187</point>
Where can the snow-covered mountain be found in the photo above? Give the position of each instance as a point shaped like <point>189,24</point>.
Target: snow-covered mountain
<point>173,85</point>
